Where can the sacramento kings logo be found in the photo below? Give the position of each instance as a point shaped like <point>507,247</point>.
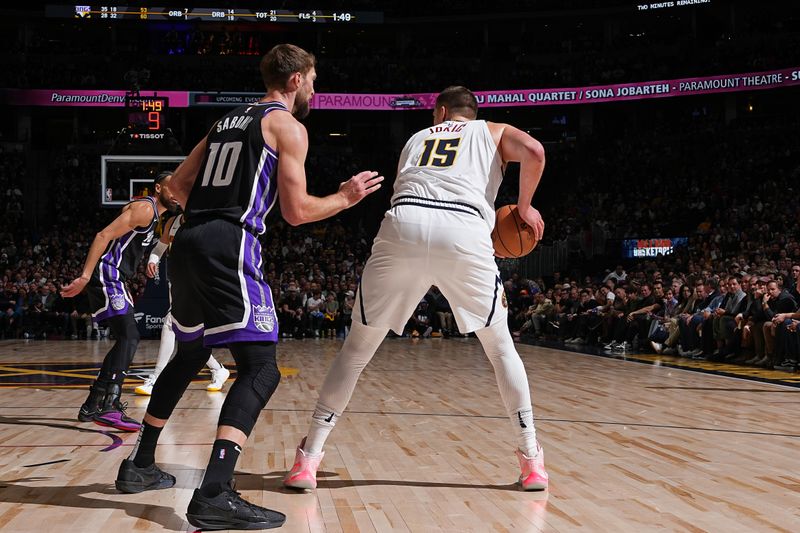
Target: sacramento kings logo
<point>264,318</point>
<point>117,302</point>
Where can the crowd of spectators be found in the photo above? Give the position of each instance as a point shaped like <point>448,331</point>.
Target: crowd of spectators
<point>731,294</point>
<point>746,314</point>
<point>730,192</point>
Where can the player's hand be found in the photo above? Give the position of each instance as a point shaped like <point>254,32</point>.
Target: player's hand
<point>151,270</point>
<point>359,186</point>
<point>74,288</point>
<point>531,216</point>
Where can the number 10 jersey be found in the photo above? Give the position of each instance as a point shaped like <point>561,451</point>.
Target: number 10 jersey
<point>237,180</point>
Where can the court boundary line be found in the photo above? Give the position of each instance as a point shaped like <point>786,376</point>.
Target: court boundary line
<point>671,366</point>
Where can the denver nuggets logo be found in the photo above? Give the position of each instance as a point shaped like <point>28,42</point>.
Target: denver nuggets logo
<point>263,318</point>
<point>117,302</point>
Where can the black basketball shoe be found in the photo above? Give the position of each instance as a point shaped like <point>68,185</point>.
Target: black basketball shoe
<point>93,404</point>
<point>133,479</point>
<point>228,510</point>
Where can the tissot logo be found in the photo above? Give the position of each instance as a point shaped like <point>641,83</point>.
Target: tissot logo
<point>147,136</point>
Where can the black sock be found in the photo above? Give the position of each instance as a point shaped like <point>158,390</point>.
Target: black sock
<point>144,453</point>
<point>220,468</point>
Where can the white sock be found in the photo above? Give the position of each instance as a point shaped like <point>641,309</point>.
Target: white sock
<point>512,382</point>
<point>357,350</point>
<point>166,347</point>
<point>213,364</point>
<point>522,421</point>
<point>322,422</point>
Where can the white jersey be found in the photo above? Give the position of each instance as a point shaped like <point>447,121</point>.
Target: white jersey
<point>454,166</point>
<point>176,225</point>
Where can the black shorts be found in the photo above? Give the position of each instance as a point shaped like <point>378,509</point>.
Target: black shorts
<point>107,294</point>
<point>217,285</point>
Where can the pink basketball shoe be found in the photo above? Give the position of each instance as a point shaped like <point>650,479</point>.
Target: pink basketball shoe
<point>303,474</point>
<point>533,476</point>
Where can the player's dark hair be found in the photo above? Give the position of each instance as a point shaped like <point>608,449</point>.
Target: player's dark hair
<point>283,60</point>
<point>458,100</point>
<point>161,177</point>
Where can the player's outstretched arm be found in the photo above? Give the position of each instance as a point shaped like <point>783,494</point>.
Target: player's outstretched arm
<point>516,145</point>
<point>136,215</point>
<point>185,175</point>
<point>299,207</point>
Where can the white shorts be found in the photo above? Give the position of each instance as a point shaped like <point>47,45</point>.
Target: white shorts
<point>417,247</point>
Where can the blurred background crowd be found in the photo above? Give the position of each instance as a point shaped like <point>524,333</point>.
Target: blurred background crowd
<point>720,170</point>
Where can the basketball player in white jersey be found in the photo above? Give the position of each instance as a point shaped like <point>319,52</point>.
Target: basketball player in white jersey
<point>219,374</point>
<point>437,232</point>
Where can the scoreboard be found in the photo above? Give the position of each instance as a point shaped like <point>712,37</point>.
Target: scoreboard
<point>209,14</point>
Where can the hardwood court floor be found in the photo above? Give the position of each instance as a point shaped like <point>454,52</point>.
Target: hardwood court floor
<point>424,446</point>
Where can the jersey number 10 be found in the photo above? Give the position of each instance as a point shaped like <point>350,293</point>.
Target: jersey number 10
<point>439,152</point>
<point>219,160</point>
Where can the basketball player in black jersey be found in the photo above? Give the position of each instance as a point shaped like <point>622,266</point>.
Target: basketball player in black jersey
<point>113,257</point>
<point>251,158</point>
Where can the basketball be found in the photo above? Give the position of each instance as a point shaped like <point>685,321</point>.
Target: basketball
<point>512,236</point>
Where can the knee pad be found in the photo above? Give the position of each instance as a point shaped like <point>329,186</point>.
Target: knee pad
<point>257,378</point>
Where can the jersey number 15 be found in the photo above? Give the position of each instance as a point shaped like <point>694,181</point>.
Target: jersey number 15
<point>439,152</point>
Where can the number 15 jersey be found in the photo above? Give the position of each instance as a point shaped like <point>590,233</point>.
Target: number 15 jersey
<point>454,166</point>
<point>237,181</point>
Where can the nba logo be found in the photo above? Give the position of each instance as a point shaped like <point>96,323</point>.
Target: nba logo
<point>109,193</point>
<point>222,453</point>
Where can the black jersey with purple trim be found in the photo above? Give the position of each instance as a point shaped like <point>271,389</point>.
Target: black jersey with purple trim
<point>124,254</point>
<point>237,180</point>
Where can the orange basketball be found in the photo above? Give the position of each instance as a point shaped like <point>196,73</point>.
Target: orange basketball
<point>511,236</point>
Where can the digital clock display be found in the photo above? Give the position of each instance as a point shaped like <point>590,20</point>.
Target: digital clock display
<point>146,113</point>
<point>152,105</point>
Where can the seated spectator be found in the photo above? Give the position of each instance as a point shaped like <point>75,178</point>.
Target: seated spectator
<point>420,322</point>
<point>314,312</point>
<point>347,312</point>
<point>778,302</point>
<point>444,313</point>
<point>724,319</point>
<point>330,322</point>
<point>537,315</point>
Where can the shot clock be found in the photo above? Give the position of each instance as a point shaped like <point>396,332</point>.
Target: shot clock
<point>146,114</point>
